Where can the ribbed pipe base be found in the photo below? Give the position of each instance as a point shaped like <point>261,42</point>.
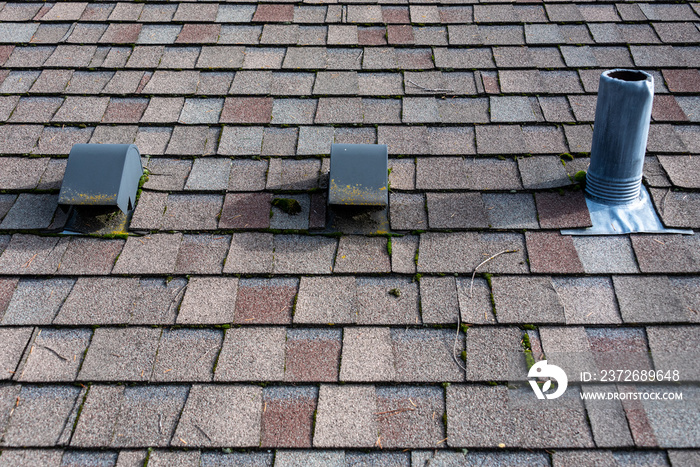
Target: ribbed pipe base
<point>617,192</point>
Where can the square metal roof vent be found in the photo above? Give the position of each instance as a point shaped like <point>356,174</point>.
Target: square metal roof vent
<point>99,188</point>
<point>358,189</point>
<point>359,175</point>
<point>102,175</point>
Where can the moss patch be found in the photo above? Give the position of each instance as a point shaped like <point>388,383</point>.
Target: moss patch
<point>287,205</point>
<point>527,349</point>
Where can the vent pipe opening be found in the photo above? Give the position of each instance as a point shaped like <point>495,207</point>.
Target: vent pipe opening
<point>629,75</point>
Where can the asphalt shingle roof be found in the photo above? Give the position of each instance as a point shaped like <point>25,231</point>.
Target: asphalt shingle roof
<point>222,330</point>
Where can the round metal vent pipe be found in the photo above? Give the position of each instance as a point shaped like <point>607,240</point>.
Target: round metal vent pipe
<point>622,117</point>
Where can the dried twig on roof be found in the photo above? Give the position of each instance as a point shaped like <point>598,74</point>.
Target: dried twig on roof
<point>471,290</point>
<point>423,88</point>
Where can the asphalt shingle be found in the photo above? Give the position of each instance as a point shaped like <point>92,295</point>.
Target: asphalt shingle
<point>671,254</point>
<point>312,355</point>
<point>452,210</point>
<point>30,211</point>
<point>287,420</point>
<point>159,457</point>
<point>499,139</point>
<point>588,300</point>
<point>568,210</point>
<point>533,299</point>
<point>606,255</point>
<point>21,173</point>
<point>157,300</point>
<point>682,171</point>
<point>362,255</point>
<point>245,211</point>
<point>202,254</point>
<point>65,12</point>
<point>121,354</point>
<point>542,172</point>
<point>248,175</point>
<point>18,81</point>
<point>38,456</point>
<point>387,301</point>
<point>187,140</point>
<point>304,255</point>
<point>148,415</point>
<point>676,209</point>
<point>86,305</point>
<point>33,109</point>
<point>455,252</point>
<point>191,212</point>
<point>252,354</point>
<point>511,109</point>
<point>250,253</point>
<point>16,340</point>
<point>646,298</point>
<point>326,300</point>
<point>238,141</point>
<point>187,355</point>
<point>475,304</point>
<point>408,211</point>
<point>209,300</point>
<point>674,347</point>
<point>265,300</point>
<point>31,254</point>
<point>338,110</point>
<point>36,301</point>
<point>158,33</point>
<point>300,174</point>
<point>163,110</point>
<point>608,420</point>
<point>495,354</point>
<point>213,458</point>
<point>19,11</point>
<point>153,254</point>
<point>367,355</point>
<point>220,416</point>
<point>416,422</point>
<point>468,403</point>
<point>345,416</point>
<point>201,111</point>
<point>510,210</point>
<point>46,409</point>
<point>423,355</point>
